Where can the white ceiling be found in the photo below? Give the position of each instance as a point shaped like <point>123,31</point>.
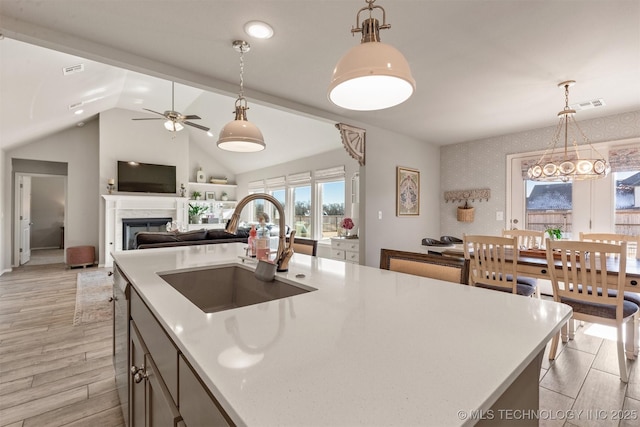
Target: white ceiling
<point>483,67</point>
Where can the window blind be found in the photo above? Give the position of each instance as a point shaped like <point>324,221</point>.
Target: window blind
<point>274,183</point>
<point>256,186</point>
<point>301,178</point>
<point>330,174</point>
<point>625,159</point>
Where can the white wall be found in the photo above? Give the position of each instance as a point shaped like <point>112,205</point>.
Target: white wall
<point>482,164</point>
<point>78,148</point>
<point>385,151</point>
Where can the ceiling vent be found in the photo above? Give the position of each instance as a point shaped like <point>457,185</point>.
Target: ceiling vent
<point>595,103</point>
<point>76,105</point>
<point>73,69</point>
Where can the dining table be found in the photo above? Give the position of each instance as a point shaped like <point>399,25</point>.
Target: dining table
<point>533,263</point>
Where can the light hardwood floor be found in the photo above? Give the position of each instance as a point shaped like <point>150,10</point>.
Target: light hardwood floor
<point>51,372</point>
<point>55,374</point>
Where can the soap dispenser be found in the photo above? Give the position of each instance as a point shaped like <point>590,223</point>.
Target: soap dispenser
<point>253,233</point>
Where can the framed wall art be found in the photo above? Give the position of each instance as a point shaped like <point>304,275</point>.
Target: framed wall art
<point>210,195</point>
<point>407,192</point>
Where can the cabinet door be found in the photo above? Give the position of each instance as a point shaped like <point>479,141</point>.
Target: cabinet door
<point>136,389</point>
<point>197,407</point>
<point>161,411</point>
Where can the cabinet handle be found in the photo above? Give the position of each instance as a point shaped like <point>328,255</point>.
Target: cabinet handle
<point>111,299</point>
<point>140,376</point>
<point>634,282</point>
<point>110,273</point>
<point>543,271</point>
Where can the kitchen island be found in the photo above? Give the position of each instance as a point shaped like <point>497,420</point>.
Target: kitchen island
<point>366,347</point>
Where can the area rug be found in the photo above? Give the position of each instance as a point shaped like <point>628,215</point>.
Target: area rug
<point>94,288</point>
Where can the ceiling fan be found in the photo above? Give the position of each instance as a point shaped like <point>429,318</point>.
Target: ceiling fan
<point>175,120</point>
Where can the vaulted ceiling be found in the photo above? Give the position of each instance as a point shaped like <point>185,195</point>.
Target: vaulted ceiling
<point>483,67</point>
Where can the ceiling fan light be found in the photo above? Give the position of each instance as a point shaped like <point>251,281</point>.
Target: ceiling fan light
<point>172,126</point>
<point>371,76</point>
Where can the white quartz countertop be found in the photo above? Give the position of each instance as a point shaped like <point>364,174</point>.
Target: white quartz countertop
<point>368,347</point>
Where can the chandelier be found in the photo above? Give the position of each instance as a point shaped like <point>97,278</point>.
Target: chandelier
<point>240,135</point>
<point>568,165</point>
<point>372,75</point>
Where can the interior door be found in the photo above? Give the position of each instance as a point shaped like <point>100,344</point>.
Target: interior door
<point>25,219</point>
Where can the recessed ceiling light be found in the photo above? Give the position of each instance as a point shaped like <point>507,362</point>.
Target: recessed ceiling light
<point>78,112</point>
<point>209,134</point>
<point>258,29</point>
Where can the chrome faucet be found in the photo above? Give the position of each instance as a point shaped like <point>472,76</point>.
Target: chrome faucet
<point>284,252</point>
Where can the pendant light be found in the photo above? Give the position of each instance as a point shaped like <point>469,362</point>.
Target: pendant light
<point>241,135</point>
<point>372,75</point>
<point>568,165</point>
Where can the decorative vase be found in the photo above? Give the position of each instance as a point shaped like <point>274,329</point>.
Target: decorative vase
<point>195,219</point>
<point>224,198</point>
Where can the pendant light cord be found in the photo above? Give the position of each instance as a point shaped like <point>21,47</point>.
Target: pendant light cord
<point>241,95</point>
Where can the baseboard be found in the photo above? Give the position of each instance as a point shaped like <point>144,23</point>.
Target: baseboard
<point>8,270</point>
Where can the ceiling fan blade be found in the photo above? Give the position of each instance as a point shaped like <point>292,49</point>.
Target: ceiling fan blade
<point>149,118</point>
<point>146,109</point>
<point>192,117</point>
<point>204,128</point>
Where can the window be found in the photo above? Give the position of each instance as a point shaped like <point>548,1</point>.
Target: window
<point>627,202</point>
<point>548,205</point>
<point>331,197</point>
<point>607,205</point>
<point>313,206</point>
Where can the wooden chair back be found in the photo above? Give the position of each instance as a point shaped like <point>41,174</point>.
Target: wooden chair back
<point>633,242</point>
<point>493,262</point>
<point>584,265</point>
<point>304,246</point>
<point>450,269</point>
<point>527,239</point>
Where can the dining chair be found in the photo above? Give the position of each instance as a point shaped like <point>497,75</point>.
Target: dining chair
<point>493,261</point>
<point>633,242</point>
<point>304,246</point>
<point>527,239</point>
<point>450,269</point>
<point>580,281</point>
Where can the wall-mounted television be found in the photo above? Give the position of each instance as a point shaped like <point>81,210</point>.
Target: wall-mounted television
<point>146,178</point>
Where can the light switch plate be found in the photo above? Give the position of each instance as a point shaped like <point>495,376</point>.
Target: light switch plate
<point>499,216</point>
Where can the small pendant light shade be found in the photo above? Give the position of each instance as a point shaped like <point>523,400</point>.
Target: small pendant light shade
<point>240,135</point>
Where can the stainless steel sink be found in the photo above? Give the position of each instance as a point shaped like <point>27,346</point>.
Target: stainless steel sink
<point>215,289</point>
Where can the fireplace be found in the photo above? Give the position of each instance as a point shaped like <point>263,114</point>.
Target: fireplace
<point>123,207</point>
<point>130,226</point>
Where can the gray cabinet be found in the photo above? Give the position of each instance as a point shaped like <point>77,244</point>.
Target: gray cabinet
<point>163,389</point>
<point>121,339</point>
<point>197,407</point>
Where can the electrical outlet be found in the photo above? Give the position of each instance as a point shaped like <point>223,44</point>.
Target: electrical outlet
<point>499,216</point>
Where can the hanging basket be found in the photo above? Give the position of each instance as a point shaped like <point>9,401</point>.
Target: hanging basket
<point>465,213</point>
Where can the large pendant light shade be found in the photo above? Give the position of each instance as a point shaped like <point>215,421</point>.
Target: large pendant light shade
<point>372,75</point>
<point>371,65</point>
<point>241,135</point>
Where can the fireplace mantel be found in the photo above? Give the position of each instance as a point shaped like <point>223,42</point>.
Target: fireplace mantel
<point>119,206</point>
